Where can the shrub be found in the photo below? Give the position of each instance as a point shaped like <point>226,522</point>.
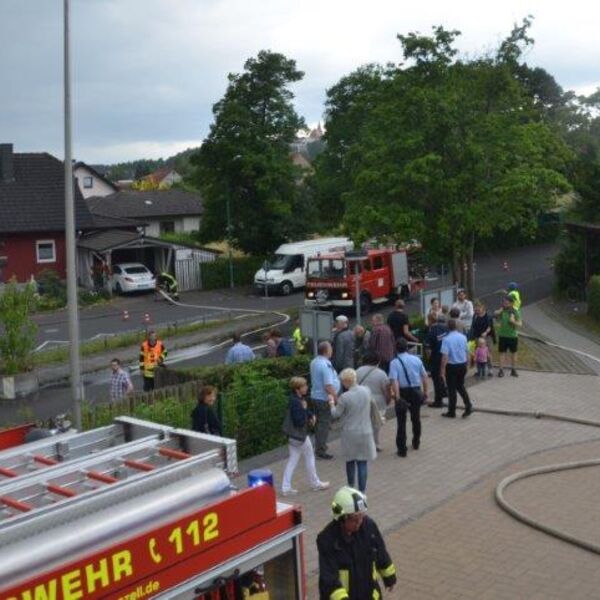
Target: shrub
<point>215,274</point>
<point>51,285</point>
<point>593,297</point>
<point>18,336</point>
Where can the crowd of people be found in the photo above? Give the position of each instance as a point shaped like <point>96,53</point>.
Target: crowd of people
<point>354,379</point>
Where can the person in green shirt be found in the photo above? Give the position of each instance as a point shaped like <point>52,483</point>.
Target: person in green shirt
<point>509,319</point>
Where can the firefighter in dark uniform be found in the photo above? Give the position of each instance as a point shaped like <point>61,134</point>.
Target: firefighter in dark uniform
<point>352,553</point>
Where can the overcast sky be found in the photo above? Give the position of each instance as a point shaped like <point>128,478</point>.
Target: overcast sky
<point>147,72</point>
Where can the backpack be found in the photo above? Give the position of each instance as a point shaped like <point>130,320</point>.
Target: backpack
<point>285,347</point>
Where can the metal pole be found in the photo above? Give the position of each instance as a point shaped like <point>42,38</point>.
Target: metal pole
<point>357,292</point>
<point>229,242</point>
<point>76,387</point>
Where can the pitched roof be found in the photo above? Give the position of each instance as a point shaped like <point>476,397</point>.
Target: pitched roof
<point>95,172</point>
<point>158,175</point>
<point>142,205</point>
<point>35,199</point>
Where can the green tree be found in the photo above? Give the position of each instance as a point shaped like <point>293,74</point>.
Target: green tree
<point>245,158</point>
<point>452,151</point>
<point>18,336</point>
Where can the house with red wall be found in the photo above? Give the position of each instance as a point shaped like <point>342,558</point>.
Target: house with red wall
<point>32,214</point>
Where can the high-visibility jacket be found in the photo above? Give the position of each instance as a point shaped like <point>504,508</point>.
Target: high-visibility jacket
<point>150,356</point>
<point>299,341</point>
<point>516,297</point>
<point>349,569</point>
<point>168,280</point>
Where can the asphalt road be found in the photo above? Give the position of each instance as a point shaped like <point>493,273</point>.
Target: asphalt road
<point>531,267</point>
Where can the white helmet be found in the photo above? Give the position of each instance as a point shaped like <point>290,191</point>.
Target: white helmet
<point>348,501</point>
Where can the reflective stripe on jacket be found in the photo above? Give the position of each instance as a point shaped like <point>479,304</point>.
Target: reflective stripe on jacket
<point>349,569</point>
<point>150,356</point>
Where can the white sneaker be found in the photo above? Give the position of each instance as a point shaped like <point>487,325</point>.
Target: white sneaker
<point>290,492</point>
<point>322,485</point>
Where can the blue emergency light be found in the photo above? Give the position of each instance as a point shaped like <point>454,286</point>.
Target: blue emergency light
<point>258,477</point>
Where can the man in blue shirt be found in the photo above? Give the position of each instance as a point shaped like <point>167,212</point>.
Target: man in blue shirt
<point>453,369</point>
<point>238,353</point>
<point>410,384</point>
<point>325,386</point>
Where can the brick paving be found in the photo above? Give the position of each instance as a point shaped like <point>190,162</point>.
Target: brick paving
<point>454,458</point>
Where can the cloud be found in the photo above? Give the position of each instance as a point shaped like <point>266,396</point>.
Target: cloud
<point>147,72</point>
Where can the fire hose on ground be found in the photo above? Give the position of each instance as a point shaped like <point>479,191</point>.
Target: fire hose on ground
<point>507,481</point>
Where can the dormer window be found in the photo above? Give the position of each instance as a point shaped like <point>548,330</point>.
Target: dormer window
<point>88,183</point>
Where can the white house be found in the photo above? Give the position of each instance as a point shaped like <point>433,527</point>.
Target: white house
<point>162,211</point>
<point>91,182</point>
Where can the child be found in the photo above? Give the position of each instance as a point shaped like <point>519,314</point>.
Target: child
<point>295,426</point>
<point>204,418</point>
<point>481,357</point>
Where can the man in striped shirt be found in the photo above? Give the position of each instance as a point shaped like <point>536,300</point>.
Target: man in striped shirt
<point>120,382</point>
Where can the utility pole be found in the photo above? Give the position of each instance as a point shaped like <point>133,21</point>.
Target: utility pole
<point>76,386</point>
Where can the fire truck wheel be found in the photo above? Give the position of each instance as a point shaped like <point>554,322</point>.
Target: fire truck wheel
<point>365,304</point>
<point>286,288</point>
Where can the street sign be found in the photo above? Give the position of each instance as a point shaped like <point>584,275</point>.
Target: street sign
<point>316,325</point>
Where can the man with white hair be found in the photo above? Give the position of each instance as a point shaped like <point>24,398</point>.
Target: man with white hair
<point>343,345</point>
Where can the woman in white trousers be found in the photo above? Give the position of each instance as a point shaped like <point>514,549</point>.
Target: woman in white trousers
<point>295,426</point>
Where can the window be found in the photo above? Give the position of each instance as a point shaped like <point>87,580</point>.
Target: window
<point>167,227</point>
<point>88,183</point>
<point>45,251</point>
<point>377,262</point>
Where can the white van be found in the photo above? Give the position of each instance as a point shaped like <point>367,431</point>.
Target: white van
<point>286,270</point>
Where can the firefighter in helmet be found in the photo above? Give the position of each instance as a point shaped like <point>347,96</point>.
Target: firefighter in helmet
<point>352,553</point>
<point>168,283</point>
<point>152,354</point>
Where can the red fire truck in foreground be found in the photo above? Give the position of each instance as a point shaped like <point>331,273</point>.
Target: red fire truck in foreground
<point>384,274</point>
<point>138,510</point>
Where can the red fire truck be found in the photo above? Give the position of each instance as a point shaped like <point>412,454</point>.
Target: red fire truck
<point>384,274</point>
<point>138,510</point>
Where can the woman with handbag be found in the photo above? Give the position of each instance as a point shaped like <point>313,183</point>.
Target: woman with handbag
<point>295,426</point>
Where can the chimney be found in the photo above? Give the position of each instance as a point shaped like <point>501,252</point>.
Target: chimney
<point>7,172</point>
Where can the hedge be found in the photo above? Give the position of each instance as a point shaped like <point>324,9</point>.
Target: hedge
<point>252,401</point>
<point>593,297</point>
<point>215,275</point>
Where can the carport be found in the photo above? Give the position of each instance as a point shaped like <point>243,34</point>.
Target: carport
<point>98,251</point>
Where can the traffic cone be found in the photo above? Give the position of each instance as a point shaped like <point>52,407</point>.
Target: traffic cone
<point>146,317</point>
<point>125,315</point>
<point>505,265</point>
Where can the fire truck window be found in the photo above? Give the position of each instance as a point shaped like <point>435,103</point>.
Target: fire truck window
<point>337,268</point>
<point>377,262</point>
<point>353,266</point>
<point>366,265</point>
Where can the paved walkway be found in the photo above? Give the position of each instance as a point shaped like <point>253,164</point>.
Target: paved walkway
<point>540,321</point>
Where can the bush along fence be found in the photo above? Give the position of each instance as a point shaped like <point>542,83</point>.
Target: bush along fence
<point>593,297</point>
<point>251,403</point>
<point>215,275</point>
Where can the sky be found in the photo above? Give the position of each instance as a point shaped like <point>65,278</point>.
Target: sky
<point>146,73</point>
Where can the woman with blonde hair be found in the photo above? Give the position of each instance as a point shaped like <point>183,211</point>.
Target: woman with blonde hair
<point>295,426</point>
<point>353,409</point>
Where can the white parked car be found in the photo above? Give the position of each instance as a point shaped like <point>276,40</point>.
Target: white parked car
<point>132,277</point>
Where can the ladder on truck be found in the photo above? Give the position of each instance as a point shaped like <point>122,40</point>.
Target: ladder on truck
<point>37,481</point>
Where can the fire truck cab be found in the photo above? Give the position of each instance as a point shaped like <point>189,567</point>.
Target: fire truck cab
<point>384,274</point>
<point>139,510</point>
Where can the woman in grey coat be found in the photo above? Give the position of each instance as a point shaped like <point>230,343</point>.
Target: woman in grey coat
<point>353,408</point>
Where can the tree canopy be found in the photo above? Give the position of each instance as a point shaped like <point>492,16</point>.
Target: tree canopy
<point>245,160</point>
<point>445,149</point>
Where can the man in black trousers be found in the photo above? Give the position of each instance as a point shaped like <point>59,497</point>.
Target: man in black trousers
<point>453,369</point>
<point>433,343</point>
